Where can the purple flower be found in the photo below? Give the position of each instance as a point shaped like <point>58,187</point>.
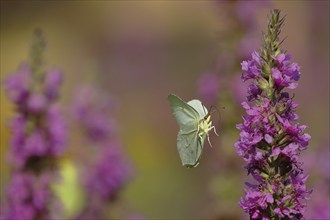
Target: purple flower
<point>36,102</point>
<point>35,144</point>
<point>93,112</point>
<point>248,42</point>
<point>53,80</point>
<point>20,212</point>
<point>17,126</point>
<point>108,175</point>
<point>246,11</point>
<point>295,132</point>
<point>28,197</point>
<point>254,92</point>
<point>290,151</point>
<point>251,68</point>
<point>281,80</point>
<point>319,205</point>
<point>238,90</point>
<point>17,84</point>
<point>38,137</point>
<point>32,140</point>
<point>270,136</point>
<point>286,73</point>
<point>317,163</point>
<point>57,130</point>
<point>292,70</point>
<point>255,199</point>
<point>109,171</point>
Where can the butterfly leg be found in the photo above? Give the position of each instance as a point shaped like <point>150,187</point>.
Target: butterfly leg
<point>208,139</point>
<point>215,131</point>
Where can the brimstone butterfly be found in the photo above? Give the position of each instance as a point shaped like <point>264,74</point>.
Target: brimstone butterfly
<point>194,123</point>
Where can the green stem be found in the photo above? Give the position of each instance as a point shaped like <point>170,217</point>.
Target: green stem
<point>36,53</point>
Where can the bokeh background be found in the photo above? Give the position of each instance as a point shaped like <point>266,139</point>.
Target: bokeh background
<point>138,52</point>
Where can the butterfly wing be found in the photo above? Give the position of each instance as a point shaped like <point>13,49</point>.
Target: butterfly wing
<point>200,145</point>
<point>186,116</point>
<point>202,111</point>
<point>190,147</point>
<point>190,141</point>
<point>199,107</point>
<point>187,145</point>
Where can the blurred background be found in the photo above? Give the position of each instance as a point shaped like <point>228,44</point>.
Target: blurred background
<point>138,52</point>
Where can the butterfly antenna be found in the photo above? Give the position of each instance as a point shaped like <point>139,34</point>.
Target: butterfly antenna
<point>217,109</point>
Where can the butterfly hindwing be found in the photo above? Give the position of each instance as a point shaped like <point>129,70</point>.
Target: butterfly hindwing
<point>199,107</point>
<point>186,144</point>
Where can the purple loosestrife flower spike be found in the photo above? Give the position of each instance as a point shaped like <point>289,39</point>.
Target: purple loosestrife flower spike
<point>108,174</point>
<point>270,136</point>
<point>92,110</point>
<point>109,170</point>
<point>38,137</point>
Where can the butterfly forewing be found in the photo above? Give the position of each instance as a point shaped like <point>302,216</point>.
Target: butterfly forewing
<point>186,116</point>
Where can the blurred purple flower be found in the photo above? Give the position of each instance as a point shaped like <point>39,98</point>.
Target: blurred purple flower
<point>319,205</point>
<point>17,84</point>
<point>270,137</point>
<point>93,113</point>
<point>317,163</point>
<point>103,180</point>
<point>36,103</point>
<point>238,89</point>
<point>35,145</point>
<point>247,10</point>
<point>56,130</point>
<point>109,171</point>
<point>28,197</point>
<point>38,137</point>
<point>39,129</point>
<point>208,88</point>
<point>53,80</point>
<point>108,175</point>
<point>248,43</point>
